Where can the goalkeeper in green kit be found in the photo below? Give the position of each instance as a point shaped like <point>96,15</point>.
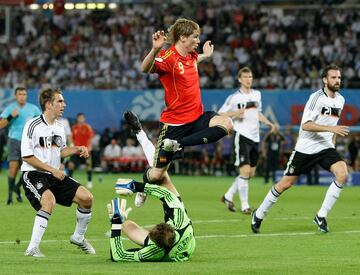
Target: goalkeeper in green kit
<point>170,241</point>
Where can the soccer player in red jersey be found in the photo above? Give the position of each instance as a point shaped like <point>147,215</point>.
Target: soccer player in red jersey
<point>183,122</point>
<point>82,135</point>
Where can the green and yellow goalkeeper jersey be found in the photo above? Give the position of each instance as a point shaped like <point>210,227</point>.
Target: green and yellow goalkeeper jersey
<point>176,216</point>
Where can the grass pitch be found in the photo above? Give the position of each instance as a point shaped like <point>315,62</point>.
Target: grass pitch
<point>289,242</point>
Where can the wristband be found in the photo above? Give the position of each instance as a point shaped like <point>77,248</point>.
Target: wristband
<point>9,118</point>
<point>115,226</point>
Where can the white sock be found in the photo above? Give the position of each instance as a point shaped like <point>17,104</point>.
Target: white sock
<point>243,186</point>
<point>147,146</point>
<point>83,217</point>
<point>331,196</point>
<point>269,200</point>
<point>231,191</point>
<point>40,224</point>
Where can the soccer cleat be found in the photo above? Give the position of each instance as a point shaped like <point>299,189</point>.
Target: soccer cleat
<point>255,222</point>
<point>84,245</point>
<point>230,205</point>
<point>171,145</point>
<point>321,223</point>
<point>140,199</point>
<point>35,252</point>
<point>125,186</point>
<point>133,121</point>
<point>246,211</point>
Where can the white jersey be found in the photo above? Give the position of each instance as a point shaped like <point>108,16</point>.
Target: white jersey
<point>248,126</point>
<point>323,110</point>
<point>43,141</point>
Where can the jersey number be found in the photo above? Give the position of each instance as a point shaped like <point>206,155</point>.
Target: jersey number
<point>181,68</point>
<point>46,142</point>
<point>242,105</point>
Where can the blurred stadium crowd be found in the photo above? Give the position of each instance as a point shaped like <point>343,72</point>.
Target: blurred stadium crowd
<point>285,47</point>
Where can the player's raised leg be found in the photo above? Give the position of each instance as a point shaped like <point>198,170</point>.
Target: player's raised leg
<point>270,199</point>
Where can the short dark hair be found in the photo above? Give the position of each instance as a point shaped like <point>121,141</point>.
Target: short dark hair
<point>47,95</point>
<point>19,88</point>
<point>163,235</point>
<point>329,68</point>
<point>80,114</point>
<point>244,70</point>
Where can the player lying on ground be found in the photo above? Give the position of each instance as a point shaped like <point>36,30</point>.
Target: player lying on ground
<point>172,240</point>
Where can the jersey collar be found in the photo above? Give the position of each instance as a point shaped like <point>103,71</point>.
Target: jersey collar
<point>43,119</point>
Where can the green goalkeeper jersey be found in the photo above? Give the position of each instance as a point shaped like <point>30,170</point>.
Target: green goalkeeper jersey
<point>176,216</point>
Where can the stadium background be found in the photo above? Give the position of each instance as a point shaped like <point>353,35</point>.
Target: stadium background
<point>286,43</point>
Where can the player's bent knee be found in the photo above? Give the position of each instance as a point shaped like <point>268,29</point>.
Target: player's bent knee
<point>228,124</point>
<point>83,197</point>
<point>48,201</point>
<point>284,184</point>
<point>341,176</point>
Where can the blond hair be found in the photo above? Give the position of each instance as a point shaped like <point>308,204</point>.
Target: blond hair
<point>182,26</point>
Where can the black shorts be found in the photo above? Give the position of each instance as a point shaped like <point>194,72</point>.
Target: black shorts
<point>246,151</point>
<point>163,158</point>
<point>300,163</point>
<point>35,183</point>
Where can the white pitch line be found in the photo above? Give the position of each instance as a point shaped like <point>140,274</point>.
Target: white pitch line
<point>262,235</point>
<point>229,236</point>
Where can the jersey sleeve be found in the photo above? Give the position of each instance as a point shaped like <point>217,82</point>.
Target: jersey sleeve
<point>27,147</point>
<point>161,62</point>
<point>177,216</point>
<point>312,109</point>
<point>149,253</point>
<point>6,112</point>
<point>227,106</point>
<point>260,103</point>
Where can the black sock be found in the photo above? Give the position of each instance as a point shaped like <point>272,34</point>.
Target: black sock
<point>205,136</point>
<point>11,185</point>
<point>139,186</point>
<point>89,175</point>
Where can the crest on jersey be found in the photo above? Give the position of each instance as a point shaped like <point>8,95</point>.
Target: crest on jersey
<point>291,169</point>
<point>39,185</point>
<point>57,141</point>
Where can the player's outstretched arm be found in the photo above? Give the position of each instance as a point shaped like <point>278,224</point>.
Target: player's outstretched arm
<point>340,130</point>
<point>158,41</point>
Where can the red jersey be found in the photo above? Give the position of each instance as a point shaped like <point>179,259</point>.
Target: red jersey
<point>180,80</point>
<point>82,134</point>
